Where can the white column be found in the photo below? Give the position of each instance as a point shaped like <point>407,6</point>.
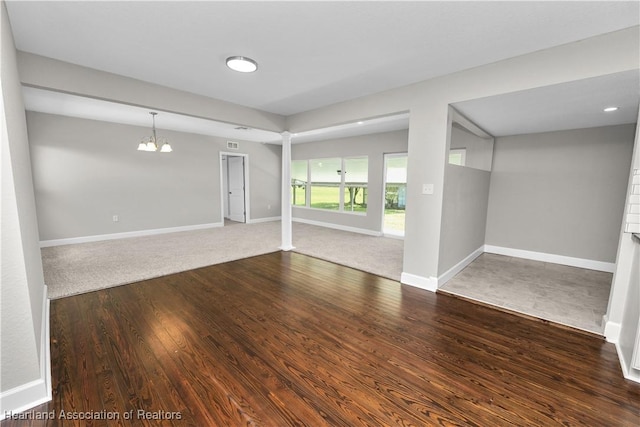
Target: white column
<point>287,243</point>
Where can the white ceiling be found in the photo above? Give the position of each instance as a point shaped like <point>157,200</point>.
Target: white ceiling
<point>574,105</point>
<point>310,54</point>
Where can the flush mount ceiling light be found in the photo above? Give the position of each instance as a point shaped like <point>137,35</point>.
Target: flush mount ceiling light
<point>242,64</point>
<point>151,143</point>
<point>610,109</point>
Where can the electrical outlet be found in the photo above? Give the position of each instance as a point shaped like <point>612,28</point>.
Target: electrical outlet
<point>268,207</point>
<point>116,218</point>
<point>427,188</point>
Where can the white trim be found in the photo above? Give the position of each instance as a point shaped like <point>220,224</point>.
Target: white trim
<point>114,236</point>
<point>268,219</point>
<point>286,230</point>
<point>457,117</point>
<point>339,227</point>
<point>393,236</point>
<point>630,374</point>
<point>286,248</point>
<point>45,359</point>
<point>589,264</point>
<point>332,211</point>
<point>37,392</point>
<point>611,330</point>
<point>635,356</point>
<point>426,283</point>
<point>247,206</point>
<point>447,275</point>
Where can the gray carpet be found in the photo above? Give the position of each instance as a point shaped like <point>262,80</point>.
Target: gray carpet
<point>568,295</point>
<point>378,255</point>
<point>86,267</point>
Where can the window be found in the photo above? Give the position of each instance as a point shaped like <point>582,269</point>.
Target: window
<point>335,184</point>
<point>457,156</point>
<point>356,176</point>
<point>299,181</point>
<point>326,180</point>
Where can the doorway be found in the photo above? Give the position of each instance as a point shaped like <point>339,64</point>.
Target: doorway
<point>234,181</point>
<point>395,194</point>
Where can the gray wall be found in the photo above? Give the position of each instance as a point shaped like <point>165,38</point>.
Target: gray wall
<point>464,214</point>
<point>465,195</point>
<point>561,193</point>
<point>86,171</point>
<point>22,291</point>
<point>265,173</point>
<point>374,146</point>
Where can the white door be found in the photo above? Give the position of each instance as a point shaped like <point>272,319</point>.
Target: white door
<point>236,188</point>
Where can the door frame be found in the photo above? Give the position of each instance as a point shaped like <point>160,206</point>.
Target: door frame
<point>224,192</point>
<point>385,157</point>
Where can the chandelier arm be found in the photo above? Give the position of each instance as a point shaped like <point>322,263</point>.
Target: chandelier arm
<point>151,143</point>
<point>155,139</point>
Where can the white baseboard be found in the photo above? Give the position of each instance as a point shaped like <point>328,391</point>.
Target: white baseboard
<point>612,334</point>
<point>446,276</point>
<point>393,236</point>
<point>427,283</point>
<point>140,233</point>
<point>629,373</point>
<point>589,264</point>
<point>338,227</point>
<point>45,347</point>
<point>612,331</point>
<point>268,219</point>
<point>37,392</point>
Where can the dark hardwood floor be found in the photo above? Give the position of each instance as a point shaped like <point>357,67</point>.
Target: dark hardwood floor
<point>284,339</point>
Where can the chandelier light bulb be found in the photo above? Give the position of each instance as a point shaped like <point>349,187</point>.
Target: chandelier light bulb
<point>151,143</point>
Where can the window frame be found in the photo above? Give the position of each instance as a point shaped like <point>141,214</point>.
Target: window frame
<point>306,186</point>
<point>463,156</point>
<point>341,186</point>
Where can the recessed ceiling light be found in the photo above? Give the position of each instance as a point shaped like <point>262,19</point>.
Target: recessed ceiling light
<point>242,64</point>
<point>610,109</point>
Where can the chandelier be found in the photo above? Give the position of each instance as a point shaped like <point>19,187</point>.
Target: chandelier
<point>151,143</point>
